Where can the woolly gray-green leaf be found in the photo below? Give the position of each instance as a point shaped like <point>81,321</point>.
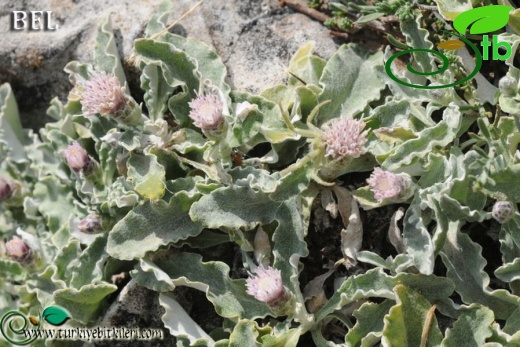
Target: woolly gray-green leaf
<point>152,225</point>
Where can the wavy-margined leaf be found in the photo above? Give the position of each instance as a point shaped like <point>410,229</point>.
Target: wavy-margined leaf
<point>244,334</point>
<point>483,19</point>
<point>509,272</point>
<point>305,66</point>
<point>146,175</point>
<point>83,304</point>
<point>106,56</point>
<point>178,70</point>
<point>11,132</point>
<point>209,64</point>
<point>228,296</point>
<point>375,283</point>
<point>88,268</point>
<point>54,201</point>
<point>180,324</point>
<point>152,225</point>
<point>471,329</point>
<point>157,90</point>
<point>411,321</point>
<point>417,240</point>
<point>465,264</point>
<point>369,323</point>
<point>439,135</point>
<point>450,9</point>
<point>349,83</point>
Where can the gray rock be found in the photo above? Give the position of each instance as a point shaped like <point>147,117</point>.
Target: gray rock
<point>255,39</point>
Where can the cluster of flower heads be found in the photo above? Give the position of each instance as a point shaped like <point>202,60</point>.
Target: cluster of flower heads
<point>102,94</point>
<point>344,137</point>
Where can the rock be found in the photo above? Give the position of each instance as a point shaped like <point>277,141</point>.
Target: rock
<point>255,39</point>
<point>135,307</point>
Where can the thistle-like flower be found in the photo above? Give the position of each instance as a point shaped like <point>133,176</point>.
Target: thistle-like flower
<point>90,224</point>
<point>266,286</point>
<point>386,185</point>
<point>503,211</point>
<point>345,137</point>
<point>77,157</point>
<point>102,94</point>
<point>6,190</point>
<point>18,250</point>
<point>206,112</point>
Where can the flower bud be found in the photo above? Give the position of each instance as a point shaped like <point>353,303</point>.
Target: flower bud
<point>91,224</point>
<point>345,137</point>
<point>102,94</point>
<point>387,185</point>
<point>508,85</point>
<point>76,156</point>
<point>6,189</point>
<point>503,211</point>
<point>18,250</point>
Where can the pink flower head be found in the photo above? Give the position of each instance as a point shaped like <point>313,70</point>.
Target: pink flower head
<point>344,137</point>
<point>18,250</point>
<point>206,111</point>
<point>76,156</point>
<point>102,94</point>
<point>266,285</point>
<point>386,185</point>
<point>6,190</point>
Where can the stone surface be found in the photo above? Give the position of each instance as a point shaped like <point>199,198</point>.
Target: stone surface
<point>255,39</point>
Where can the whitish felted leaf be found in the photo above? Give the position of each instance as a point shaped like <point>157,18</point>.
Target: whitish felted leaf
<point>234,207</point>
<point>471,329</point>
<point>228,296</point>
<point>178,70</point>
<point>439,135</point>
<point>417,240</point>
<point>152,225</point>
<point>287,338</point>
<point>83,304</point>
<point>465,264</point>
<point>209,64</point>
<point>289,246</point>
<point>450,9</point>
<point>146,175</point>
<point>369,323</point>
<point>354,87</point>
<point>149,275</point>
<point>410,321</point>
<point>417,37</point>
<point>504,180</point>
<point>54,202</point>
<point>513,323</point>
<point>244,334</point>
<point>106,55</point>
<point>89,266</point>
<point>11,132</point>
<point>262,125</point>
<point>179,322</point>
<point>375,283</point>
<point>305,66</point>
<point>11,269</point>
<point>157,90</point>
<point>509,272</point>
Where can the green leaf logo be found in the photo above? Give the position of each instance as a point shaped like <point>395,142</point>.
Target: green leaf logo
<point>55,315</point>
<point>483,19</point>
